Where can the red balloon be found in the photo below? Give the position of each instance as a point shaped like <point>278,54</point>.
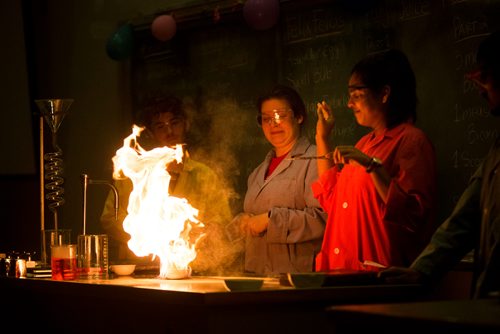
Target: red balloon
<point>261,14</point>
<point>164,27</point>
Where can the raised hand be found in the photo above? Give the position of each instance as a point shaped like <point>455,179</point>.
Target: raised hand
<point>326,120</point>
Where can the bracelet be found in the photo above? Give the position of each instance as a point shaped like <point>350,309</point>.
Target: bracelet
<point>374,163</point>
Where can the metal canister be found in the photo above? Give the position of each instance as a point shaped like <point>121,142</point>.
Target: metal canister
<point>21,268</point>
<point>3,266</point>
<point>10,266</point>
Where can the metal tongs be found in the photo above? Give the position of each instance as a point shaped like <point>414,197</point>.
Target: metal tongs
<point>328,156</point>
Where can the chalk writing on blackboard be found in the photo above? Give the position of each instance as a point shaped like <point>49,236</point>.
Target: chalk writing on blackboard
<point>328,51</point>
<point>465,61</point>
<point>465,159</point>
<point>467,28</point>
<point>377,40</point>
<point>319,23</point>
<point>312,76</point>
<point>469,113</point>
<point>477,135</point>
<point>414,9</point>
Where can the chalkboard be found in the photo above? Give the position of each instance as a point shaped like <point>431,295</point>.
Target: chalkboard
<point>221,68</point>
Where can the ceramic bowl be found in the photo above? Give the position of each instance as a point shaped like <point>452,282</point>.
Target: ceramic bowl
<point>123,269</point>
<point>306,280</point>
<point>243,284</point>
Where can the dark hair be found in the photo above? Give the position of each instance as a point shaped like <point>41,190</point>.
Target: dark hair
<point>393,69</point>
<point>159,105</point>
<point>488,56</point>
<point>288,94</point>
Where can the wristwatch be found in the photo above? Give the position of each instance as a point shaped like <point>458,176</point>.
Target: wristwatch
<point>374,163</point>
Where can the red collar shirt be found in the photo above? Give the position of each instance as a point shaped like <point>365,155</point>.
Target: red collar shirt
<point>362,229</point>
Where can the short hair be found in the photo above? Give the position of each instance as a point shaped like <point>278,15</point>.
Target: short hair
<point>488,56</point>
<point>288,94</point>
<point>393,69</point>
<point>159,105</point>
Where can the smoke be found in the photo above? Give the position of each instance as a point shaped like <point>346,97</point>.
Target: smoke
<point>216,255</point>
<point>217,133</point>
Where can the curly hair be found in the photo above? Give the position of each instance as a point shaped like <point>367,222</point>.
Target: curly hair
<point>159,105</point>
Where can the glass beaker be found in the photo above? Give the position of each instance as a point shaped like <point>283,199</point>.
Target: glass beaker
<point>92,255</point>
<point>63,262</point>
<point>52,238</point>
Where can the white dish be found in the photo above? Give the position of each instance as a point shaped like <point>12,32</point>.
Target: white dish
<point>123,269</point>
<point>306,280</point>
<point>243,284</point>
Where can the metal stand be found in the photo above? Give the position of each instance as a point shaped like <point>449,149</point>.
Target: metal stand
<point>85,182</point>
<point>51,165</point>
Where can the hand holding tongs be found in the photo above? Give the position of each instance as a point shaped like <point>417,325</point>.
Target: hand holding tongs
<point>328,156</point>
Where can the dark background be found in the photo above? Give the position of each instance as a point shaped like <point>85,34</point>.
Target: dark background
<point>220,68</point>
<point>313,48</point>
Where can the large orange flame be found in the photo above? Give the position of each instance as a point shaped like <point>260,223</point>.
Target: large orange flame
<point>158,224</point>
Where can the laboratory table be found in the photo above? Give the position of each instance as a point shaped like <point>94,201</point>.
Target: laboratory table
<point>192,305</point>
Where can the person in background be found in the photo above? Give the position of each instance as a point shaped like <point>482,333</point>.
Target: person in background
<point>167,124</point>
<point>282,221</point>
<point>380,195</point>
<point>475,221</point>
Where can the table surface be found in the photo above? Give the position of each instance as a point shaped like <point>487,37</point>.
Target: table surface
<point>211,290</point>
<point>191,305</point>
<point>198,285</point>
<point>463,315</point>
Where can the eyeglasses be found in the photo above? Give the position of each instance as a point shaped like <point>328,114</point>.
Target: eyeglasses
<point>356,87</point>
<point>278,116</point>
<point>174,123</point>
<point>354,91</point>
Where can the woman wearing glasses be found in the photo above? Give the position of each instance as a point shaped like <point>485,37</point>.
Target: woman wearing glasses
<point>381,204</point>
<point>283,222</point>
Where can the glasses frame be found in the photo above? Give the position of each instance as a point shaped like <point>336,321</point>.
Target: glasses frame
<point>277,119</point>
<point>174,123</point>
<point>354,88</point>
<point>357,87</point>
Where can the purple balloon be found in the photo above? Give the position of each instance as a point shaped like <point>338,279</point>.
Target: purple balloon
<point>261,14</point>
<point>163,27</point>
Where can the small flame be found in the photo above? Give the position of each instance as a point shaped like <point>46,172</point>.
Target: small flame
<point>158,224</point>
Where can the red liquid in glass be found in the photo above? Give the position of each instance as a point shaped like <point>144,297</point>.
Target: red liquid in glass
<point>63,269</point>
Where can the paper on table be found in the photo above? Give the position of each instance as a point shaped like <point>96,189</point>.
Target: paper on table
<point>373,264</point>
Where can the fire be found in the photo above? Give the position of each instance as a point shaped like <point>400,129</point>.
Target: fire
<point>158,224</point>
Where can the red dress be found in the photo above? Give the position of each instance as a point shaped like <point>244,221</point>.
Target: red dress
<point>361,227</point>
